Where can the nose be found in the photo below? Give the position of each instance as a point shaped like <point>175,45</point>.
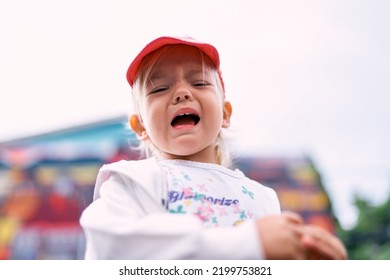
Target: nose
<point>182,94</point>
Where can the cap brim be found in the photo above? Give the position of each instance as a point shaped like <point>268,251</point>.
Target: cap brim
<point>208,49</point>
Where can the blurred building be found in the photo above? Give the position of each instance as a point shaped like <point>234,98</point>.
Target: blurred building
<point>47,180</point>
<point>297,183</point>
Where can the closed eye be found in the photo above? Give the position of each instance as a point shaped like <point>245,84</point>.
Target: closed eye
<point>200,84</point>
<point>158,89</point>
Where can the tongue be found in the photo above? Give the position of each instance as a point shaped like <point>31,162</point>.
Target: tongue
<point>183,120</point>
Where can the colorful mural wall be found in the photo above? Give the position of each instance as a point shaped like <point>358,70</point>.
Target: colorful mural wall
<point>298,185</point>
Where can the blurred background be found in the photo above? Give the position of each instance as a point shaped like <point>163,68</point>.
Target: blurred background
<point>308,81</point>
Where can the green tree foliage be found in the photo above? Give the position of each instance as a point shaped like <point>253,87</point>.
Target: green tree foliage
<point>370,238</point>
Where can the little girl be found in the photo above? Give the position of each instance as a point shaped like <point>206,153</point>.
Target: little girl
<point>183,201</point>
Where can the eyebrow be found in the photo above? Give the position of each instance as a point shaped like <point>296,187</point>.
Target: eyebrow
<point>157,75</point>
<point>195,71</point>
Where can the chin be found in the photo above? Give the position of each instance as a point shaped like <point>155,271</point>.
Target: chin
<point>185,152</point>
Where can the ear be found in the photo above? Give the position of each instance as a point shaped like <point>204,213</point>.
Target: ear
<point>137,126</point>
<point>227,112</point>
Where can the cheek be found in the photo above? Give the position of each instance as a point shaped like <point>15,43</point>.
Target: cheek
<point>215,120</point>
<point>153,118</point>
<point>218,111</point>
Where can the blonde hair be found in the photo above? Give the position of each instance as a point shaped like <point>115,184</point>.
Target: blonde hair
<point>150,62</point>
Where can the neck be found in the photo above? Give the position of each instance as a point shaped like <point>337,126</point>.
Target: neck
<point>207,155</point>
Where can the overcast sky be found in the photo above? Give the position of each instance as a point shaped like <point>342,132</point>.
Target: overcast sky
<point>304,77</point>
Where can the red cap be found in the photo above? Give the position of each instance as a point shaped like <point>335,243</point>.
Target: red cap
<point>208,49</point>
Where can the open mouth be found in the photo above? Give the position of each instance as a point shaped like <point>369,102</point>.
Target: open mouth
<point>187,119</point>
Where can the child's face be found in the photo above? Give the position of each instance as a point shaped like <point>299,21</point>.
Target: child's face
<point>182,111</point>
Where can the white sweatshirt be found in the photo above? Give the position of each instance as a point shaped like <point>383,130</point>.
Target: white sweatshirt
<point>175,209</point>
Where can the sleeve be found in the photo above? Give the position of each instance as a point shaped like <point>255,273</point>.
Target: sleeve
<point>268,198</point>
<point>272,201</point>
<point>117,226</point>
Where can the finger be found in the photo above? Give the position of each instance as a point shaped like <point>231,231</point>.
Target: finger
<point>324,243</point>
<point>293,217</point>
<point>333,243</point>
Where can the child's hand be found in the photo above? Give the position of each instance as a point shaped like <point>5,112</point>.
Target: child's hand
<point>282,235</point>
<point>320,244</point>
